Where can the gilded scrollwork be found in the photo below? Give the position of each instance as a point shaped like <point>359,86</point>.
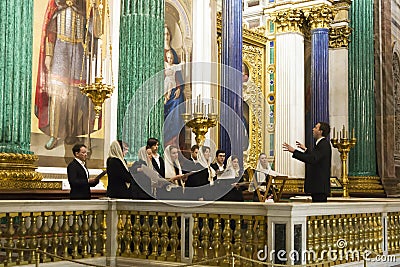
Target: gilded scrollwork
<point>339,37</point>
<point>253,96</point>
<point>290,20</point>
<point>24,185</point>
<point>320,16</point>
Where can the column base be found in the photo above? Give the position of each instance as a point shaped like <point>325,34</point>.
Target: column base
<point>17,172</point>
<point>360,186</point>
<point>366,185</point>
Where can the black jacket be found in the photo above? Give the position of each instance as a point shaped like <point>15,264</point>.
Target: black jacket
<point>118,178</point>
<point>318,167</point>
<point>142,186</point>
<point>78,180</point>
<point>161,169</point>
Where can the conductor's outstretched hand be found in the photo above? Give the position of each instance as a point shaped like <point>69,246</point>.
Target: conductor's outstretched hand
<point>300,145</point>
<point>287,147</point>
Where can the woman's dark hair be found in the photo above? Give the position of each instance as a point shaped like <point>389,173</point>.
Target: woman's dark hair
<point>152,142</point>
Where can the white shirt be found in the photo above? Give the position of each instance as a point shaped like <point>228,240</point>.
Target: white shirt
<point>83,165</point>
<point>220,167</point>
<point>316,143</point>
<point>194,160</point>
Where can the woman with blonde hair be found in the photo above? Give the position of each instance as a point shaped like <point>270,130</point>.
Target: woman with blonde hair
<point>260,177</point>
<point>145,189</point>
<point>174,174</point>
<point>120,181</point>
<point>233,169</point>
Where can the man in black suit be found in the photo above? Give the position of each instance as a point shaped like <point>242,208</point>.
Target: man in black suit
<point>219,165</point>
<point>78,174</point>
<point>318,163</point>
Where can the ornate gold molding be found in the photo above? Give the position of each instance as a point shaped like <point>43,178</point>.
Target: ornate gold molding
<point>253,96</point>
<point>339,37</point>
<point>17,171</point>
<point>29,185</point>
<point>370,185</point>
<point>320,16</point>
<point>291,20</point>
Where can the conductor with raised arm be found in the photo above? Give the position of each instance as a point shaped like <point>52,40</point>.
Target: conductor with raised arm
<point>318,163</point>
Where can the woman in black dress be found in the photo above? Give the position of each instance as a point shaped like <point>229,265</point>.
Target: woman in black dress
<point>120,181</point>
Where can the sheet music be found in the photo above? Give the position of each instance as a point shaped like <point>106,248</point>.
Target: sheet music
<point>155,178</point>
<point>270,172</point>
<point>228,174</point>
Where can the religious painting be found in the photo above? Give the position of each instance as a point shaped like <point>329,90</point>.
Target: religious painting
<point>61,115</point>
<point>177,52</point>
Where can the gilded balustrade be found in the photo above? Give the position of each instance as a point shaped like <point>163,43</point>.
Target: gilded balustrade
<point>64,234</point>
<point>344,238</point>
<point>209,233</point>
<point>393,228</point>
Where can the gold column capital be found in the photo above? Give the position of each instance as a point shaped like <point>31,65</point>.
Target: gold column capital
<point>320,16</point>
<point>339,37</point>
<point>290,20</point>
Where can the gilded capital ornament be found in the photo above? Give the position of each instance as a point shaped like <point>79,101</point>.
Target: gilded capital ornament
<point>339,37</point>
<point>290,20</point>
<point>320,17</point>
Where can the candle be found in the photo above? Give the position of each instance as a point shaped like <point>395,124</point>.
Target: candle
<point>194,107</point>
<point>334,132</point>
<point>92,71</point>
<point>187,106</point>
<point>212,104</point>
<point>98,59</point>
<point>87,78</point>
<point>354,135</point>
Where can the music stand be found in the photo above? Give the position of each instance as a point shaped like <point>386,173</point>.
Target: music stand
<point>272,183</point>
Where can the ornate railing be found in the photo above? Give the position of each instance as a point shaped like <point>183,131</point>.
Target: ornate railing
<point>198,232</point>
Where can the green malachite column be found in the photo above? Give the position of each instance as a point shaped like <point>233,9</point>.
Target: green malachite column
<point>141,57</point>
<point>17,162</point>
<point>15,75</point>
<point>362,160</point>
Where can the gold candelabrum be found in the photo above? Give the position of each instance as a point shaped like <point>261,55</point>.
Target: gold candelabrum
<point>98,92</point>
<point>344,143</point>
<point>200,119</point>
